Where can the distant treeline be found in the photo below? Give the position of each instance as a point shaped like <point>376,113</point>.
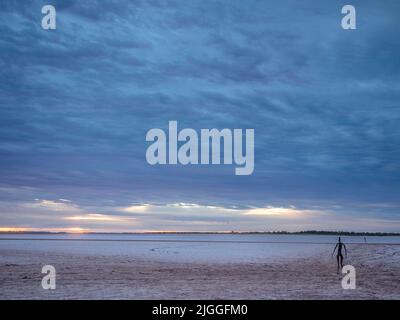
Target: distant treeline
<point>307,232</point>
<point>340,233</point>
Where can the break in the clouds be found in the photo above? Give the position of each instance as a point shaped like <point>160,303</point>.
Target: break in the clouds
<point>76,103</point>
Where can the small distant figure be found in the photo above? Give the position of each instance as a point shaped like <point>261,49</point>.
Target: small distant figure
<point>339,256</point>
<point>365,240</point>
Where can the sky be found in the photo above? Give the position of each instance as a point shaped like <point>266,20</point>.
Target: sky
<point>76,103</point>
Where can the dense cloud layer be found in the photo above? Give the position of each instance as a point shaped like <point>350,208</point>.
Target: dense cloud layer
<point>76,103</point>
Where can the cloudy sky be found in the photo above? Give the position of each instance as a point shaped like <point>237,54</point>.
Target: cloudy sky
<point>76,103</point>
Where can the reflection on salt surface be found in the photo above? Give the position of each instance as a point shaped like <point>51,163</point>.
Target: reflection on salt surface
<point>187,247</point>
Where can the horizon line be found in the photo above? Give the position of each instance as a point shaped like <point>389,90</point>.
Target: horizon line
<point>309,232</point>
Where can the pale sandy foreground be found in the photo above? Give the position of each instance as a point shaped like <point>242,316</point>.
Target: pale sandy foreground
<point>82,276</point>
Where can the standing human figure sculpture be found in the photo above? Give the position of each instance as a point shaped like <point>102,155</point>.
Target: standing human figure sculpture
<point>339,256</point>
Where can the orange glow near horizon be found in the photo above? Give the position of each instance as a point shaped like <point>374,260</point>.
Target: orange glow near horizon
<point>7,229</point>
<point>68,230</point>
<point>78,230</point>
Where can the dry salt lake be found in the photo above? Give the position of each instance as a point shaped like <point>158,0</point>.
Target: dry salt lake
<point>196,266</point>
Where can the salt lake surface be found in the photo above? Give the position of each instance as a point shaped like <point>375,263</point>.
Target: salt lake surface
<point>188,247</point>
